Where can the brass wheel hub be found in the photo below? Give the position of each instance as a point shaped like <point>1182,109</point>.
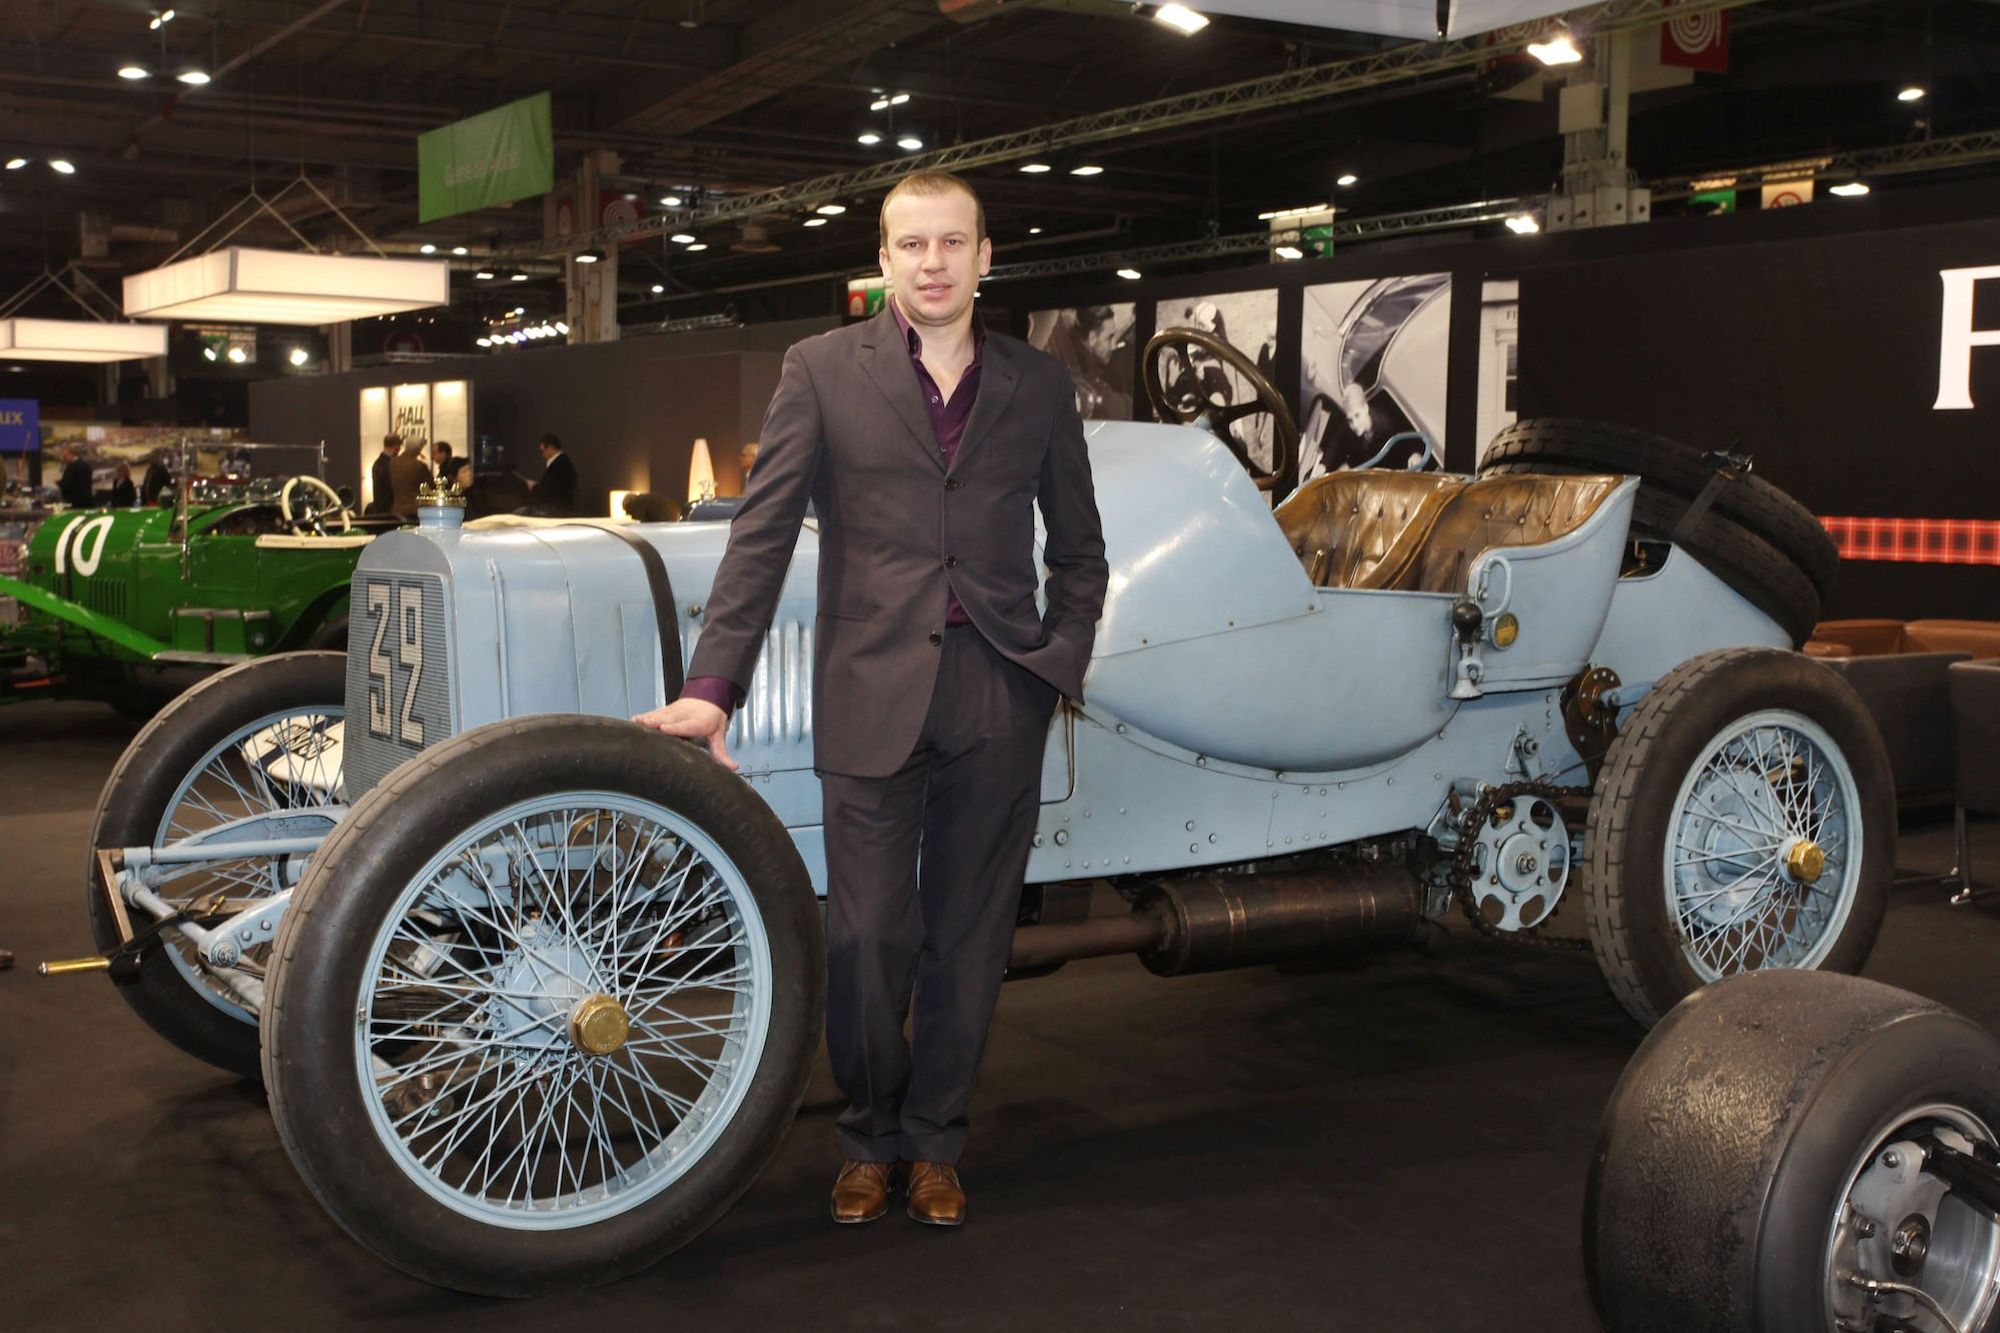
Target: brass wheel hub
<point>599,1025</point>
<point>1805,862</point>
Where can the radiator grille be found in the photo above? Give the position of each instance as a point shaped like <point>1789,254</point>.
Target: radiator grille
<point>398,673</point>
<point>777,706</point>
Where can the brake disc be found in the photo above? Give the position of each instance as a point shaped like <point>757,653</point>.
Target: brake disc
<point>1520,862</point>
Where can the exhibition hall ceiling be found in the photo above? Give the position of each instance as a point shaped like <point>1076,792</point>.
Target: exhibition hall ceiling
<point>709,100</point>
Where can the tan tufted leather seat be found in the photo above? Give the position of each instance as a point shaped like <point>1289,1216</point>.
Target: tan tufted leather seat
<point>1362,529</point>
<point>1500,511</point>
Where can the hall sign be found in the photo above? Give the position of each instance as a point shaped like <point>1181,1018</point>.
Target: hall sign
<point>492,158</point>
<point>20,425</point>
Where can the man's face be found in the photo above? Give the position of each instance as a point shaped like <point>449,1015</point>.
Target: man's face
<point>548,450</point>
<point>934,259</point>
<point>1102,340</point>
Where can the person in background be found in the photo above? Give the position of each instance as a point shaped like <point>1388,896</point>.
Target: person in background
<point>383,499</point>
<point>555,493</point>
<point>443,465</point>
<point>407,476</point>
<point>123,493</point>
<point>75,481</point>
<point>746,458</point>
<point>159,484</point>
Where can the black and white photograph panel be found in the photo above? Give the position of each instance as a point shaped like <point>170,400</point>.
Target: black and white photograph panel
<point>1499,357</point>
<point>1373,357</point>
<point>1196,380</point>
<point>1095,342</point>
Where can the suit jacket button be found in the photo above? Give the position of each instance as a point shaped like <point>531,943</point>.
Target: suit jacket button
<point>951,562</point>
<point>952,483</point>
<point>936,637</point>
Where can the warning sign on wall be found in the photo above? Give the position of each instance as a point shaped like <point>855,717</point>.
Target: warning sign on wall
<point>1783,194</point>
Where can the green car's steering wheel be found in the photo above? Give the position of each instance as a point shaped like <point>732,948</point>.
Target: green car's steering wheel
<point>309,505</point>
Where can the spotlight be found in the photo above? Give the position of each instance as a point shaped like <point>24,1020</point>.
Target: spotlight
<point>161,18</point>
<point>1130,274</point>
<point>1347,178</point>
<point>194,78</point>
<point>62,166</point>
<point>458,249</point>
<point>670,201</point>
<point>1289,252</point>
<point>207,353</point>
<point>1034,231</point>
<point>483,276</point>
<point>298,356</point>
<point>517,277</point>
<point>1181,19</point>
<point>899,99</point>
<point>427,249</point>
<point>1523,224</point>
<point>16,163</point>
<point>1087,169</point>
<point>482,342</point>
<point>562,328</point>
<point>681,238</point>
<point>134,72</point>
<point>831,210</point>
<point>909,143</point>
<point>1910,94</point>
<point>238,356</point>
<point>697,246</point>
<point>1035,168</point>
<point>658,288</point>
<point>589,256</point>
<point>1560,49</point>
<point>879,104</point>
<point>1851,190</point>
<point>815,222</point>
<point>871,139</point>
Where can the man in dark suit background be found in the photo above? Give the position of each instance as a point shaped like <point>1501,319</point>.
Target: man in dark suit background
<point>555,493</point>
<point>382,497</point>
<point>924,444</point>
<point>74,484</point>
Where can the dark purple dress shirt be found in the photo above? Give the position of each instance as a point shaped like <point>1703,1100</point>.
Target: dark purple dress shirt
<point>948,418</point>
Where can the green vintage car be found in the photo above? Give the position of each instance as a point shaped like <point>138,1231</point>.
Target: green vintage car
<point>131,606</point>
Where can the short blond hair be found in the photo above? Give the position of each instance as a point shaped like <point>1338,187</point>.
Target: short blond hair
<point>928,183</point>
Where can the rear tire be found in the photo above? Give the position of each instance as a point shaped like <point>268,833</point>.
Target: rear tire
<point>1747,1140</point>
<point>138,808</point>
<point>1732,761</point>
<point>421,1022</point>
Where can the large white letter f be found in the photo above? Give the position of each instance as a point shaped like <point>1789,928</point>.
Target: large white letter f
<point>1957,337</point>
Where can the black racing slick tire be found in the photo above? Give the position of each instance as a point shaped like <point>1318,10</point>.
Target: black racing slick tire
<point>1761,1158</point>
<point>139,802</point>
<point>332,636</point>
<point>482,1039</point>
<point>1678,471</point>
<point>1743,818</point>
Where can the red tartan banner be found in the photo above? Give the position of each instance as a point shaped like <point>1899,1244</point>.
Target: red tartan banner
<point>1930,541</point>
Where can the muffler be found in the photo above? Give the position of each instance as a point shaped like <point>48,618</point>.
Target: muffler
<point>1213,922</point>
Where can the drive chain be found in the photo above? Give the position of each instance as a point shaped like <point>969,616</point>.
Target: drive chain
<point>1462,873</point>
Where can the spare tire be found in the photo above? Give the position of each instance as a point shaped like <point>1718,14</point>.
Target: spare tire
<point>1763,575</point>
<point>1562,444</point>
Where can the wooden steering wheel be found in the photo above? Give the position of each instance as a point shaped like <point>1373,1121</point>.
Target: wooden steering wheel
<point>1181,394</point>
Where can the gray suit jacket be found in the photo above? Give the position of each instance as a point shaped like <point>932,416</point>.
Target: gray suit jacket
<point>848,430</point>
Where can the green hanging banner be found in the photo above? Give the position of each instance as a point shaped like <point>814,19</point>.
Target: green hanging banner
<point>494,157</point>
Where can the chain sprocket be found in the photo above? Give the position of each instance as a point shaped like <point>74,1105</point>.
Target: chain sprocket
<point>1462,871</point>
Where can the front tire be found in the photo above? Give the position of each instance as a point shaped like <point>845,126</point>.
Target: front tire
<point>188,770</point>
<point>1744,818</point>
<point>1762,1145</point>
<point>428,1030</point>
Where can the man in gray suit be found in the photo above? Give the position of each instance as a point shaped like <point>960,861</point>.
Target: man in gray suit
<point>924,444</point>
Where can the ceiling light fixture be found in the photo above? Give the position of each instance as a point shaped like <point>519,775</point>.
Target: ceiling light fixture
<point>1851,190</point>
<point>1523,224</point>
<point>562,328</point>
<point>670,201</point>
<point>870,139</point>
<point>831,210</point>
<point>879,104</point>
<point>427,249</point>
<point>899,99</point>
<point>1910,94</point>
<point>1087,169</point>
<point>1289,252</point>
<point>1034,231</point>
<point>815,222</point>
<point>240,285</point>
<point>79,340</point>
<point>161,18</point>
<point>589,256</point>
<point>16,163</point>
<point>458,250</point>
<point>298,356</point>
<point>1303,211</point>
<point>909,143</point>
<point>483,276</point>
<point>517,277</point>
<point>1036,168</point>
<point>134,72</point>
<point>62,166</point>
<point>681,238</point>
<point>482,342</point>
<point>698,245</point>
<point>194,78</point>
<point>1347,178</point>
<point>237,356</point>
<point>1130,274</point>
<point>208,354</point>
<point>1181,19</point>
<point>1560,49</point>
<point>658,288</point>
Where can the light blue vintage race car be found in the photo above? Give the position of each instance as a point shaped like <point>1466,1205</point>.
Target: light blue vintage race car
<point>535,992</point>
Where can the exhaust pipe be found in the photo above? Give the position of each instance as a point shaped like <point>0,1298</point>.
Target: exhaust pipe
<point>1210,923</point>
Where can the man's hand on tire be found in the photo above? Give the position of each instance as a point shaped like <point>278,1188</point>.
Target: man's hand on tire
<point>696,719</point>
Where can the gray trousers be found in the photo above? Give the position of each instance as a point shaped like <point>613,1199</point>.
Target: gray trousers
<point>924,873</point>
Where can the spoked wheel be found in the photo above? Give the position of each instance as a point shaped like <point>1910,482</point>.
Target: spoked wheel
<point>545,1005</point>
<point>313,508</point>
<point>1743,819</point>
<point>1800,1153</point>
<point>257,738</point>
<point>1187,385</point>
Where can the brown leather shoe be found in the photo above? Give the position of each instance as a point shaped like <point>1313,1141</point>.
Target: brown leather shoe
<point>861,1192</point>
<point>936,1197</point>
